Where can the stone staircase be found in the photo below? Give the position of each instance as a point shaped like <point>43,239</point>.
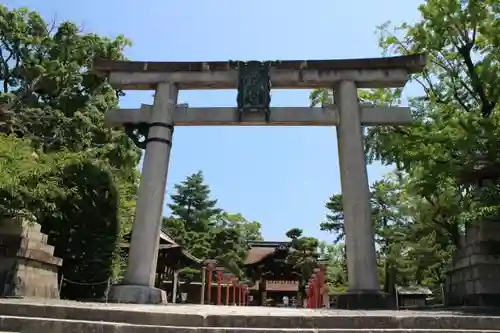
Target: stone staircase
<point>63,317</point>
<point>28,267</point>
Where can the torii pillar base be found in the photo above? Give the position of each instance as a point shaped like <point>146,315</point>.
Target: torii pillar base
<point>366,300</point>
<point>126,293</point>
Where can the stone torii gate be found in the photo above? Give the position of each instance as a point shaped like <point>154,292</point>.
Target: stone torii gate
<point>151,127</point>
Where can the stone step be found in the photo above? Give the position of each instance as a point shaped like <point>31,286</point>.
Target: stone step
<point>196,316</point>
<point>45,325</point>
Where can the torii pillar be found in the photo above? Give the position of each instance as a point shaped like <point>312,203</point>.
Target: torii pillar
<point>138,284</point>
<point>364,287</point>
<point>355,189</point>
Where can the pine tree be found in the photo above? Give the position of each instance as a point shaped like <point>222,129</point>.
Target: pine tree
<point>230,242</point>
<point>192,205</point>
<point>70,171</point>
<point>302,255</point>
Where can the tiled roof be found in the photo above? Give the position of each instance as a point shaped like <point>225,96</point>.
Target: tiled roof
<point>256,254</point>
<point>261,249</point>
<point>166,238</point>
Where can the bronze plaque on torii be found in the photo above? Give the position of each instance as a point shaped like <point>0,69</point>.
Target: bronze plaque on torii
<point>254,88</point>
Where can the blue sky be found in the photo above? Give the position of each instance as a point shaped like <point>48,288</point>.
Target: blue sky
<point>280,176</point>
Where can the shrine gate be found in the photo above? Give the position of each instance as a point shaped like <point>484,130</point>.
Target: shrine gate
<point>151,127</point>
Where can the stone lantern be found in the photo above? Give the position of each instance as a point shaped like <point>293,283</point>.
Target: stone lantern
<point>472,277</point>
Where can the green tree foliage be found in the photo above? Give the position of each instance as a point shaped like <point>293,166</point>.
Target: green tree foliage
<point>94,198</point>
<point>249,230</point>
<point>29,182</point>
<point>50,100</point>
<point>334,224</point>
<point>408,249</point>
<point>336,273</point>
<point>454,121</point>
<point>205,230</point>
<point>386,218</point>
<point>192,215</point>
<point>422,210</point>
<point>334,218</point>
<point>231,237</point>
<point>303,255</point>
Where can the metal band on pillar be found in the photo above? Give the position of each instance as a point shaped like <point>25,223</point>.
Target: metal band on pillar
<point>139,133</point>
<point>168,142</point>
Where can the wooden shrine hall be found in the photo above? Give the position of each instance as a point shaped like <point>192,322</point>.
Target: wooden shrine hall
<point>273,278</point>
<point>172,257</point>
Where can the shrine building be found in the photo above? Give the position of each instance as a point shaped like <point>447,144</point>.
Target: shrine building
<point>172,257</point>
<point>272,277</point>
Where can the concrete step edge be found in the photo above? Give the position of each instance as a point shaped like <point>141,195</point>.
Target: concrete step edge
<point>49,325</point>
<point>366,321</point>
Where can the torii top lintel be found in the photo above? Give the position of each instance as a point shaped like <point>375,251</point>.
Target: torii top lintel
<point>368,72</point>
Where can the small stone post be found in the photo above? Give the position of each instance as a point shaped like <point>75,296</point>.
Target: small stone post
<point>203,282</point>
<point>174,286</point>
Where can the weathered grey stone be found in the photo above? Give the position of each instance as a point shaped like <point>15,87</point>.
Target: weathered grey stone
<point>198,316</point>
<point>369,300</point>
<point>472,278</point>
<point>137,294</point>
<point>28,267</point>
<point>167,78</point>
<point>39,325</point>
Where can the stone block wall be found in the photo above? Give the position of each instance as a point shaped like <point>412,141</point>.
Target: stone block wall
<point>474,275</point>
<point>28,267</point>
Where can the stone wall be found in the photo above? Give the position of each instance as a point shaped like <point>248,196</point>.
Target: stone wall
<point>472,278</point>
<point>28,267</point>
